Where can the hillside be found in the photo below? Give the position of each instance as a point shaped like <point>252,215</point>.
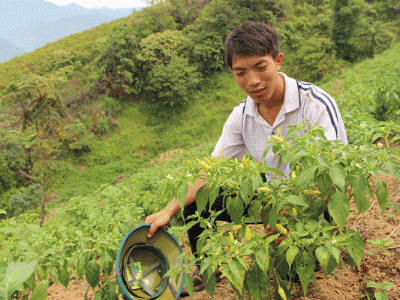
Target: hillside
<point>8,51</point>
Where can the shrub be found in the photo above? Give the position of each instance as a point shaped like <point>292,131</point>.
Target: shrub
<point>17,201</point>
<point>171,85</point>
<point>387,103</point>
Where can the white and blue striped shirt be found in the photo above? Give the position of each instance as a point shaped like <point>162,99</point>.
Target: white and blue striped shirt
<point>247,131</point>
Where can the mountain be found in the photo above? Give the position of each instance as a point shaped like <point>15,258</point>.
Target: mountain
<point>8,51</point>
<point>30,24</point>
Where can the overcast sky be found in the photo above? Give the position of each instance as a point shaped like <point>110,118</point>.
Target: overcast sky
<point>102,3</point>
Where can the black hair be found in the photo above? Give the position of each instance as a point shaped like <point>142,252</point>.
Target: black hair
<point>251,39</point>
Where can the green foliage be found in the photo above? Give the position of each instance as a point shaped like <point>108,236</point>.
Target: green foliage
<point>13,276</point>
<point>185,12</point>
<point>345,21</point>
<point>172,85</point>
<point>76,138</point>
<point>17,201</point>
<point>380,290</point>
<point>387,102</point>
<point>322,172</point>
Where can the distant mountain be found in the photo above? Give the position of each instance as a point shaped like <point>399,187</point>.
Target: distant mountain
<point>30,24</point>
<point>36,36</point>
<point>8,51</point>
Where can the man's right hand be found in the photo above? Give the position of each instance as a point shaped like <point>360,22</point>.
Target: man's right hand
<point>157,220</point>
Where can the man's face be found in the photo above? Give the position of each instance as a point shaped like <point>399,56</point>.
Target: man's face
<point>258,77</point>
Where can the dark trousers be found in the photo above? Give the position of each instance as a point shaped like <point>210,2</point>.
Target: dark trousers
<point>219,204</point>
<point>195,231</point>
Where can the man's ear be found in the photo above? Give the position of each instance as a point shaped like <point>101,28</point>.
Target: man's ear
<point>230,69</point>
<point>279,60</point>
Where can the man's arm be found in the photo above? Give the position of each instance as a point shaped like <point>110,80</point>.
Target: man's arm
<point>162,217</point>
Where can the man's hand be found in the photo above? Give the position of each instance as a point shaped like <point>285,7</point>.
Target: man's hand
<point>157,220</point>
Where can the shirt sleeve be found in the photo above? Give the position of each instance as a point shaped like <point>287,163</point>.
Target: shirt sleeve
<point>321,109</point>
<point>231,142</point>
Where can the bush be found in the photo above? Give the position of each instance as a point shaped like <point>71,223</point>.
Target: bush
<point>387,103</point>
<point>6,179</point>
<point>17,201</point>
<point>171,85</point>
<point>77,138</point>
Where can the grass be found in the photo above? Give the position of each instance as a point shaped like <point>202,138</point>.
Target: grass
<point>143,135</point>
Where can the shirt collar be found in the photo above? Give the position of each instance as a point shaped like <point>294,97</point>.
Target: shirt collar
<point>291,101</point>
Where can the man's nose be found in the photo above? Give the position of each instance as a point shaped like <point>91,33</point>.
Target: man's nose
<point>253,79</point>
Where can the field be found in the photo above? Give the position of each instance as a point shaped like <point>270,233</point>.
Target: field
<point>77,245</point>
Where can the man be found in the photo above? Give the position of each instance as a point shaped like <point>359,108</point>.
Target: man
<point>274,101</point>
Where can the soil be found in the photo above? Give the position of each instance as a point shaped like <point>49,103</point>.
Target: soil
<point>345,283</point>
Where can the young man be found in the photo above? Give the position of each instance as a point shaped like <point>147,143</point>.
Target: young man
<point>274,101</point>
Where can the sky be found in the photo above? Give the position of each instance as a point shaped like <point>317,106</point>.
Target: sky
<point>102,3</point>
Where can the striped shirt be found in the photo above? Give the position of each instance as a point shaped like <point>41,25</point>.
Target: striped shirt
<point>247,131</point>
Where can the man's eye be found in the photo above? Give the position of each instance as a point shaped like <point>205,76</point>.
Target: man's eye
<point>262,67</point>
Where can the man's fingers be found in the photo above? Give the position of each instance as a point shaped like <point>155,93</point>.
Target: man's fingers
<point>153,228</point>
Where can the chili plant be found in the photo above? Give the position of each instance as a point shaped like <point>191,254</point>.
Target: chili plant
<point>304,214</point>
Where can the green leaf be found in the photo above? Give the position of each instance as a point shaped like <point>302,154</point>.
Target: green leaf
<point>254,210</point>
<point>380,295</point>
<point>181,195</point>
<point>324,183</point>
<point>3,212</point>
<point>255,283</point>
<point>63,276</point>
<point>327,261</point>
<point>355,247</point>
<point>305,269</point>
<point>106,262</point>
<point>265,214</point>
<point>338,175</point>
<point>189,285</point>
<point>17,273</point>
<point>3,269</point>
<point>291,254</point>
<point>273,216</point>
<point>393,168</point>
<point>306,176</point>
<point>40,291</point>
<point>339,208</point>
<point>382,195</point>
<point>234,271</point>
<point>236,210</point>
<point>371,284</point>
<point>360,185</point>
<point>201,198</point>
<point>298,200</point>
<point>213,193</point>
<point>246,191</point>
<point>262,259</point>
<point>210,281</point>
<point>257,181</point>
<point>86,294</point>
<point>386,285</point>
<point>92,273</point>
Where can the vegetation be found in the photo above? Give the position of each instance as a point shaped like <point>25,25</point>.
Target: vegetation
<point>84,117</point>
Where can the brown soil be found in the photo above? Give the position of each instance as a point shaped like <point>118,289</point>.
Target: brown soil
<point>345,283</point>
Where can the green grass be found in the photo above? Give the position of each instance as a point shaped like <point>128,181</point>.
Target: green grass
<point>143,135</point>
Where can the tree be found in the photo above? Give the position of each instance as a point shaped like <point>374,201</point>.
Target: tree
<point>167,76</point>
<point>40,113</point>
<point>345,20</point>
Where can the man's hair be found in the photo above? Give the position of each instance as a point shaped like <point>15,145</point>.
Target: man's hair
<point>251,39</point>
